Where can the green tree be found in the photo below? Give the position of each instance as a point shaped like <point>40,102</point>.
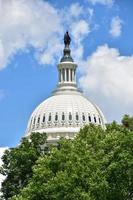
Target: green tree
<point>96,165</point>
<point>18,163</point>
<point>127,121</point>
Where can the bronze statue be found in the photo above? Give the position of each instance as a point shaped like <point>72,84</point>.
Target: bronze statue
<point>67,38</point>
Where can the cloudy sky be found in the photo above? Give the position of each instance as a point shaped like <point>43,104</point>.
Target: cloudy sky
<point>31,43</point>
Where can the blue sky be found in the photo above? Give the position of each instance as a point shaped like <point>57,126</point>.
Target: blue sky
<point>31,43</point>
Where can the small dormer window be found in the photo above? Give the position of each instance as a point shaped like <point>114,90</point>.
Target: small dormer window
<point>31,120</point>
<point>70,116</point>
<point>89,118</point>
<point>95,120</point>
<point>56,117</point>
<point>99,120</point>
<point>34,121</point>
<point>43,120</point>
<point>63,117</point>
<point>77,117</point>
<point>38,120</point>
<point>49,118</point>
<point>83,117</point>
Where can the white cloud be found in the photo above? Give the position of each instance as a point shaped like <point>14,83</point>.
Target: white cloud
<point>103,2</point>
<point>91,12</point>
<point>76,10</point>
<point>79,31</point>
<point>26,23</point>
<point>2,149</point>
<point>108,78</point>
<point>116,26</point>
<point>37,24</point>
<point>51,53</point>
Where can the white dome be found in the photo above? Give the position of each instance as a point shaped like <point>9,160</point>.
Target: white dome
<point>62,115</point>
<point>67,110</point>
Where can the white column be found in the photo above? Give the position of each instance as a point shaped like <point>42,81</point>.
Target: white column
<point>65,75</point>
<point>61,75</point>
<point>69,77</point>
<point>73,75</point>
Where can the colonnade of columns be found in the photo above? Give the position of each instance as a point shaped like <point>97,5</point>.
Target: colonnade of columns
<point>67,75</point>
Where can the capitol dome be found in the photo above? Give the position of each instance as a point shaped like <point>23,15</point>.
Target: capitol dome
<point>67,110</point>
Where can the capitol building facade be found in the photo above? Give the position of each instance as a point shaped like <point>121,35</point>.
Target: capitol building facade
<point>67,109</point>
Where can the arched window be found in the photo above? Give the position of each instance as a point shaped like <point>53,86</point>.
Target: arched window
<point>56,117</point>
<point>70,116</point>
<point>49,118</point>
<point>99,120</point>
<point>89,118</point>
<point>83,117</point>
<point>38,120</point>
<point>43,120</point>
<point>34,121</point>
<point>77,117</point>
<point>95,120</point>
<point>63,117</point>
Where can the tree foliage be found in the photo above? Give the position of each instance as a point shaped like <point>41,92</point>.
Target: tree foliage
<point>18,163</point>
<point>127,121</point>
<point>96,165</point>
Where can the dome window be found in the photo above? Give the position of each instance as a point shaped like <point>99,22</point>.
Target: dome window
<point>77,117</point>
<point>70,116</point>
<point>31,120</point>
<point>49,118</point>
<point>56,117</point>
<point>95,120</point>
<point>89,118</point>
<point>63,117</point>
<point>34,121</point>
<point>99,120</point>
<point>83,117</point>
<point>38,120</point>
<point>43,119</point>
